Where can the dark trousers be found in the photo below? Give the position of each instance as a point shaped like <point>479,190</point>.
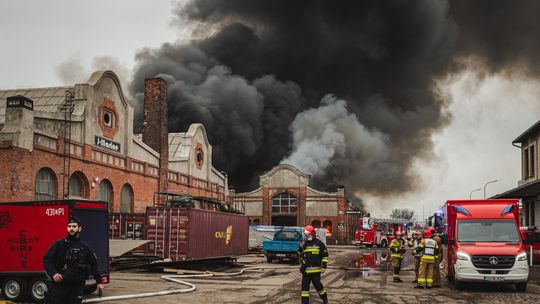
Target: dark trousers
<point>66,293</point>
<point>307,279</point>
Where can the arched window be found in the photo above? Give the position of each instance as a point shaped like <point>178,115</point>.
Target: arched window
<point>45,188</point>
<point>78,185</point>
<point>284,203</point>
<point>328,226</point>
<point>126,199</point>
<point>105,193</point>
<point>316,224</point>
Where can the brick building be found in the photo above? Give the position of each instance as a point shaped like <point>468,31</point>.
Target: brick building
<point>78,141</point>
<point>286,198</point>
<point>528,189</point>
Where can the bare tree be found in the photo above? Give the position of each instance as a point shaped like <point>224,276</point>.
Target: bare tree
<point>402,213</point>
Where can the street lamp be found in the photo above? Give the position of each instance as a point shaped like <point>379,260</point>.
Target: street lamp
<point>470,194</point>
<point>495,180</point>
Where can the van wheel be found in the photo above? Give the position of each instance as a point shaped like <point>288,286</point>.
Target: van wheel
<point>38,289</point>
<point>521,287</point>
<point>14,289</point>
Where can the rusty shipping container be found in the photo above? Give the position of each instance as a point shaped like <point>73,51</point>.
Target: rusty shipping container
<point>184,234</point>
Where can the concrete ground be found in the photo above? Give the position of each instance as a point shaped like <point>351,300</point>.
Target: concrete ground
<point>357,276</point>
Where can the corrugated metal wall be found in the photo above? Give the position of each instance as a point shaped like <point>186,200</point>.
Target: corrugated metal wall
<point>180,233</point>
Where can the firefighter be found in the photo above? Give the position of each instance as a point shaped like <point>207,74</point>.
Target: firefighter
<point>414,242</point>
<point>313,260</point>
<point>68,262</point>
<point>429,249</point>
<point>397,249</point>
<point>438,260</point>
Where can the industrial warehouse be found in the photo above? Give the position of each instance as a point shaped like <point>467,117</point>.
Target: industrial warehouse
<point>78,142</point>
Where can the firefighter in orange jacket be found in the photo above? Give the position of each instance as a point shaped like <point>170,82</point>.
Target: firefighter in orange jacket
<point>397,249</point>
<point>429,249</point>
<point>313,260</point>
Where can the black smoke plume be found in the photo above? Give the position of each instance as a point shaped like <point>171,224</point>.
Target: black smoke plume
<point>345,90</point>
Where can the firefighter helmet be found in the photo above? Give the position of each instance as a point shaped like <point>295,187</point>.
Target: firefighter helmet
<point>309,230</point>
<point>428,233</point>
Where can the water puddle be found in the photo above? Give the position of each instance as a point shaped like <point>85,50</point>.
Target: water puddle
<point>378,260</point>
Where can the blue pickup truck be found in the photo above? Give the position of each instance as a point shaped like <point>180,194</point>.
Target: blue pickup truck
<point>285,244</point>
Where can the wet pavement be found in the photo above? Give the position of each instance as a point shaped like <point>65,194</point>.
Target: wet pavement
<point>355,276</point>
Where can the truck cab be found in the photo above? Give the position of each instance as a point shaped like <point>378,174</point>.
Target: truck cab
<point>484,243</point>
<point>284,245</point>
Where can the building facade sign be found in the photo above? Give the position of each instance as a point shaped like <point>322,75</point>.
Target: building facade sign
<point>108,144</point>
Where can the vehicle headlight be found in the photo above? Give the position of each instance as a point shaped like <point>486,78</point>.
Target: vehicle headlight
<point>463,256</point>
<point>521,257</point>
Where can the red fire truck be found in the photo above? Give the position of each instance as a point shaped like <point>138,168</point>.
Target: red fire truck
<point>27,230</point>
<point>380,231</point>
<point>531,238</point>
<point>484,243</point>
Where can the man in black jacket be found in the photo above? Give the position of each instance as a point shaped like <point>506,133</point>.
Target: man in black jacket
<point>68,262</point>
<point>313,260</point>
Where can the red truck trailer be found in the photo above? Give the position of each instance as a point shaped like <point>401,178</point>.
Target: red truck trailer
<point>28,229</point>
<point>484,243</point>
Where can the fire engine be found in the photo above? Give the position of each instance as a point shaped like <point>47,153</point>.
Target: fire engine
<point>380,231</point>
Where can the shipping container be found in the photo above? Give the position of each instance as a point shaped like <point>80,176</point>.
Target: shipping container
<point>126,226</point>
<point>185,234</point>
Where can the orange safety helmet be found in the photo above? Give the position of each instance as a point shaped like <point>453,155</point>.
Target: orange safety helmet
<point>309,229</point>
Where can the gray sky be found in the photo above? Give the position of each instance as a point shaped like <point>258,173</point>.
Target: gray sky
<point>54,42</point>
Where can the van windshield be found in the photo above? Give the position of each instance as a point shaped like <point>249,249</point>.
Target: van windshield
<point>487,231</point>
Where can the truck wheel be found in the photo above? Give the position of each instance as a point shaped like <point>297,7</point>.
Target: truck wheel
<point>269,259</point>
<point>521,287</point>
<point>38,288</point>
<point>384,243</point>
<point>14,289</point>
<point>458,285</point>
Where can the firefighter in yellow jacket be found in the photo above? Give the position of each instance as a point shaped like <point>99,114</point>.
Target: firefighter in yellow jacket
<point>313,261</point>
<point>414,242</point>
<point>429,249</point>
<point>397,249</point>
<point>438,260</point>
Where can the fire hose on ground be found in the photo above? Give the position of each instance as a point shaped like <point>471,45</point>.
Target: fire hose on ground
<point>193,287</point>
<point>175,279</point>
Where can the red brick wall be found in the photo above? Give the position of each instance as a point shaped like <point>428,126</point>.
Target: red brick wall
<point>19,168</point>
<point>156,132</point>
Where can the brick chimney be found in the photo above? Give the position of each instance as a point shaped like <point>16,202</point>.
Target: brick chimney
<point>155,129</point>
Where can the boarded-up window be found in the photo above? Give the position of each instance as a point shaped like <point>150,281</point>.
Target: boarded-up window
<point>45,184</point>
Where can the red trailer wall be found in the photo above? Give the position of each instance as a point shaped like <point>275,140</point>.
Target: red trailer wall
<point>26,232</point>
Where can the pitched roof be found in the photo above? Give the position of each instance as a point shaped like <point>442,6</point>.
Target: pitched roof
<point>45,99</point>
<point>532,131</point>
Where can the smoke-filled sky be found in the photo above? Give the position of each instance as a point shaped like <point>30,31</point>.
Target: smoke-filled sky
<point>406,103</point>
